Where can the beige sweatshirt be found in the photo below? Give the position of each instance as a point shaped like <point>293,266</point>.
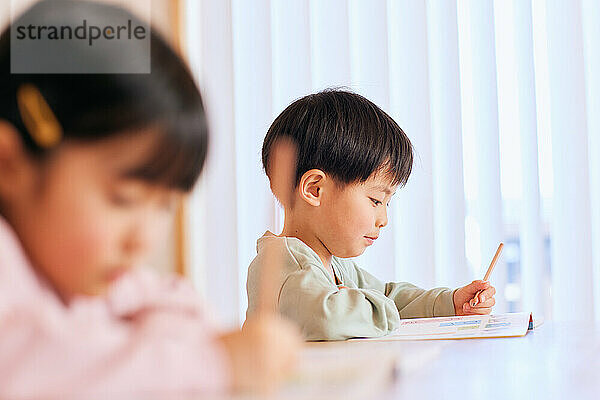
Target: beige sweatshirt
<point>360,305</point>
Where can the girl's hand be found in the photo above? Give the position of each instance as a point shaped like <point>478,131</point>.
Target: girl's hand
<point>263,353</point>
<point>465,294</point>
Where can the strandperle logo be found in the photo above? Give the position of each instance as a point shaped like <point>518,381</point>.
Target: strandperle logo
<point>80,37</point>
<point>85,31</point>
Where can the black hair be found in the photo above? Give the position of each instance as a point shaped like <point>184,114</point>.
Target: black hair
<point>343,134</point>
<point>91,107</point>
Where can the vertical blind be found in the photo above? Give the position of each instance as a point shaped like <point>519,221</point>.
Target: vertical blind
<point>571,227</point>
<point>484,90</point>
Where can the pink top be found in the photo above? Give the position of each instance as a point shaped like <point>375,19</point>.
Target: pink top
<point>146,336</point>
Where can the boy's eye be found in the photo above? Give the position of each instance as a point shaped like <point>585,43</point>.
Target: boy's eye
<point>375,201</point>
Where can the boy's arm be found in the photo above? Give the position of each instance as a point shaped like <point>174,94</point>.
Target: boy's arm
<point>411,301</point>
<point>326,313</point>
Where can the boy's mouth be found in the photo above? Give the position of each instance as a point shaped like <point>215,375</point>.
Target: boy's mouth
<point>370,239</point>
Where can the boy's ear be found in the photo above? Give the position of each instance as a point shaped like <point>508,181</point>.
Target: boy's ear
<point>311,186</point>
<point>12,156</point>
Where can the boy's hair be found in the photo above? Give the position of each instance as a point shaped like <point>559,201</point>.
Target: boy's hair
<point>91,107</point>
<point>344,135</point>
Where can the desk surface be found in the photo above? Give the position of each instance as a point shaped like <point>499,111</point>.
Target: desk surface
<point>556,361</point>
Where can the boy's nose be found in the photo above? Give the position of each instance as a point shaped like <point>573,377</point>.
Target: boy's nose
<point>382,219</point>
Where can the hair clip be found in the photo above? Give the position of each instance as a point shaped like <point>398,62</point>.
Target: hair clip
<point>38,118</point>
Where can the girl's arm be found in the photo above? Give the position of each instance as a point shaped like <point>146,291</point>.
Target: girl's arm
<point>85,350</point>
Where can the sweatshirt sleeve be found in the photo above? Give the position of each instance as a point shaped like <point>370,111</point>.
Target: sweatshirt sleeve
<point>325,312</point>
<point>410,300</point>
<point>85,351</point>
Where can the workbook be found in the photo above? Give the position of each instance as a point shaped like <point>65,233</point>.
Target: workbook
<point>463,327</point>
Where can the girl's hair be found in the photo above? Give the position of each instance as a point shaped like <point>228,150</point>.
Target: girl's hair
<point>91,107</point>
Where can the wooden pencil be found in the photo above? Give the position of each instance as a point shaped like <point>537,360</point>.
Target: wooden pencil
<point>282,184</point>
<point>475,299</point>
<point>493,263</point>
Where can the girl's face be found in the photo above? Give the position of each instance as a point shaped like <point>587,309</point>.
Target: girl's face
<point>82,221</point>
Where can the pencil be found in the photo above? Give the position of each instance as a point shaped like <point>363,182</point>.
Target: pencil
<point>475,299</point>
<point>282,185</point>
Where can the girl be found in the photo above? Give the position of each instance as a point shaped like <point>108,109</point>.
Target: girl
<point>91,166</point>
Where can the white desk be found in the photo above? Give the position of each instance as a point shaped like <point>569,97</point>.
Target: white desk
<point>556,361</point>
<point>553,362</point>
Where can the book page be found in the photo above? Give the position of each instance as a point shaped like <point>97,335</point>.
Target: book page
<point>462,327</point>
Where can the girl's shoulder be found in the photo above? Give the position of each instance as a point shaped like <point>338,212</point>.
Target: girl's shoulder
<point>18,280</point>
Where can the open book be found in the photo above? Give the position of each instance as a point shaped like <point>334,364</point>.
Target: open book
<point>463,327</point>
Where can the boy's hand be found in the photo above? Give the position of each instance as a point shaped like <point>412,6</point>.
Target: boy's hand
<point>262,353</point>
<point>465,294</point>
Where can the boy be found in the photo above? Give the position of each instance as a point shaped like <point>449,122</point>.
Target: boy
<point>351,157</point>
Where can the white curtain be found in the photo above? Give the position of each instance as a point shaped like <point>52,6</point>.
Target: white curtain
<point>501,101</point>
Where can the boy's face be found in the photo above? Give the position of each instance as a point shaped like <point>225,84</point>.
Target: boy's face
<point>351,216</point>
<point>82,222</point>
